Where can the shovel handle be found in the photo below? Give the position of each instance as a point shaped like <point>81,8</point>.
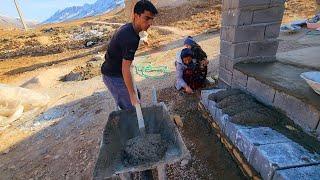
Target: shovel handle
<point>138,108</point>
<point>140,119</point>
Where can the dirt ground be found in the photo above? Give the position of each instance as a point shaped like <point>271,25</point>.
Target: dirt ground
<point>62,142</point>
<point>210,160</point>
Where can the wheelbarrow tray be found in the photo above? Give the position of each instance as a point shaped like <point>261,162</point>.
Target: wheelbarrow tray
<point>122,126</point>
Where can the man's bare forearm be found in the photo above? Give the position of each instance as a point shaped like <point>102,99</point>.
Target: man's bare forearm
<point>127,77</point>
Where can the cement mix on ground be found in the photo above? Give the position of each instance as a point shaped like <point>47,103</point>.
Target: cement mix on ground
<point>254,117</point>
<point>240,107</point>
<point>252,113</point>
<point>244,109</point>
<point>234,99</point>
<point>142,149</point>
<point>217,97</point>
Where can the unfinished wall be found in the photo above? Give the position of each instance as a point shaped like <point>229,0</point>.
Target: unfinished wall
<point>249,32</point>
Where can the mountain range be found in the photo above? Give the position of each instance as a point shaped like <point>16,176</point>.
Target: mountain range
<point>77,12</point>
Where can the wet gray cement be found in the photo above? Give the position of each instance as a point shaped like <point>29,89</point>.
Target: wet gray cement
<point>306,57</point>
<point>124,149</point>
<point>217,97</point>
<point>245,110</point>
<point>250,112</point>
<point>144,148</point>
<point>238,107</point>
<point>234,99</point>
<point>255,117</point>
<point>282,77</point>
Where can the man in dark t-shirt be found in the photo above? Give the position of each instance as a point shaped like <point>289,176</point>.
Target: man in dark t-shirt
<point>120,54</point>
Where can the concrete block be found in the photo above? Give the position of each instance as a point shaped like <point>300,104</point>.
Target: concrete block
<point>231,130</point>
<point>268,158</point>
<point>238,34</point>
<point>236,85</point>
<point>272,14</point>
<point>223,85</point>
<point>225,75</point>
<point>263,59</point>
<point>228,62</point>
<point>262,136</point>
<point>212,108</point>
<point>204,97</point>
<point>272,31</point>
<point>263,48</point>
<point>205,94</point>
<point>301,113</point>
<point>218,114</point>
<point>232,4</point>
<point>276,2</point>
<point>240,78</point>
<point>248,139</point>
<point>255,59</point>
<point>234,50</point>
<point>221,118</point>
<point>308,172</point>
<point>261,91</point>
<point>236,17</point>
<point>222,61</point>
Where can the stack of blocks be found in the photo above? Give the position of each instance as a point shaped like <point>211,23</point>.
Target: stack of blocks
<point>249,33</point>
<point>270,153</point>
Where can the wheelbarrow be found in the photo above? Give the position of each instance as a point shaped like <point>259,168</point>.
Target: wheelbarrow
<point>123,125</point>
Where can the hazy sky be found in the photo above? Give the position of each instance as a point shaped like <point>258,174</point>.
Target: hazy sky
<point>38,10</point>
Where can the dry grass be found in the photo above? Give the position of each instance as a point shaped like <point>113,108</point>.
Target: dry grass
<point>196,16</point>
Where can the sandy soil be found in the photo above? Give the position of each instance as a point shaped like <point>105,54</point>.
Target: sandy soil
<point>70,130</point>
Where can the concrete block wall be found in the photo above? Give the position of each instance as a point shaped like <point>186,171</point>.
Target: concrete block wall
<point>249,33</point>
<point>303,114</point>
<point>269,152</point>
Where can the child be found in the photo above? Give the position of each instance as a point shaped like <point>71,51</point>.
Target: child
<point>186,72</point>
<point>200,59</point>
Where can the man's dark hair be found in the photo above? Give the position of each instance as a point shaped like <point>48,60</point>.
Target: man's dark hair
<point>144,5</point>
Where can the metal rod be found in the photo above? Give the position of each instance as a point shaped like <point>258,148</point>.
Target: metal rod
<point>154,96</point>
<point>20,14</point>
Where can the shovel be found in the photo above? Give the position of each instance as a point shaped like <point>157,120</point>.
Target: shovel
<point>138,109</point>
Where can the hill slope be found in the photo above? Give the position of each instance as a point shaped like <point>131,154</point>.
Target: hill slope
<point>8,22</point>
<point>76,12</point>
